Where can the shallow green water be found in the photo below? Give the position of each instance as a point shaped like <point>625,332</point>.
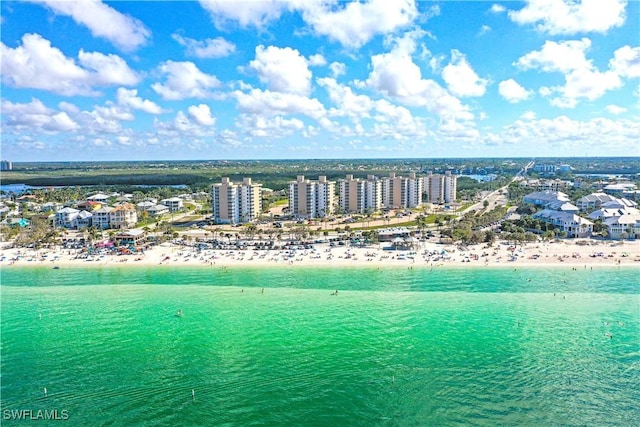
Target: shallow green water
<point>394,347</point>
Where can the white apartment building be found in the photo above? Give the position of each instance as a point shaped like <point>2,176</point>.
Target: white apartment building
<point>311,199</point>
<point>414,191</point>
<point>236,203</point>
<point>440,188</point>
<point>373,193</point>
<point>351,197</point>
<point>401,192</point>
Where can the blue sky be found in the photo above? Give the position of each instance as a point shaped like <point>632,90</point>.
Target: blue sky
<point>259,79</point>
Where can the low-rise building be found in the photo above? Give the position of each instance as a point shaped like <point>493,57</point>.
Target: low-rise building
<point>619,188</point>
<point>624,226</point>
<point>129,238</point>
<point>544,198</point>
<point>123,215</point>
<point>157,210</point>
<point>569,222</point>
<point>66,218</point>
<point>99,197</point>
<point>593,201</point>
<point>102,217</point>
<point>174,204</point>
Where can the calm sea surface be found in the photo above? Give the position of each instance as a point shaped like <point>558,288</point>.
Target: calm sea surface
<point>394,347</point>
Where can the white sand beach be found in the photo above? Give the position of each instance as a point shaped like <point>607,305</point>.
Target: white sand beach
<point>573,253</point>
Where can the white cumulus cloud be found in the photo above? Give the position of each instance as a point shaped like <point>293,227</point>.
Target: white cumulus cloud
<point>282,69</point>
<point>582,79</point>
<point>129,98</point>
<point>184,80</point>
<point>34,115</point>
<point>570,16</point>
<point>461,79</point>
<point>108,69</point>
<point>512,91</point>
<point>208,48</point>
<point>615,109</point>
<point>38,65</point>
<point>353,24</point>
<point>103,21</point>
<point>396,75</point>
<point>256,13</point>
<point>337,69</point>
<point>626,62</point>
<point>201,114</point>
<point>268,102</point>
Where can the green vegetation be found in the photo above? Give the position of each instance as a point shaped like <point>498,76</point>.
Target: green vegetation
<point>274,174</point>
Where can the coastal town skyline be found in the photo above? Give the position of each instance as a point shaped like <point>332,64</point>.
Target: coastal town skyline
<point>119,81</point>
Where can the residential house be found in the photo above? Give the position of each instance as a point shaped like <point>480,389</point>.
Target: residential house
<point>593,201</point>
<point>66,218</point>
<point>17,222</point>
<point>99,197</point>
<point>146,205</point>
<point>619,188</point>
<point>174,204</point>
<point>628,224</point>
<point>157,210</point>
<point>50,207</point>
<point>102,217</point>
<point>123,215</point>
<point>569,222</point>
<point>84,220</point>
<point>544,198</point>
<point>89,205</point>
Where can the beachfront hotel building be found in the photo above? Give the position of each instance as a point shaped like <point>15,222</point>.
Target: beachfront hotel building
<point>311,199</point>
<point>440,188</point>
<point>236,203</point>
<point>359,195</point>
<point>400,192</point>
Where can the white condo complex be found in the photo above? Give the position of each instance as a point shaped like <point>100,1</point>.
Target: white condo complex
<point>440,188</point>
<point>311,199</point>
<point>236,203</point>
<point>400,192</point>
<point>359,195</point>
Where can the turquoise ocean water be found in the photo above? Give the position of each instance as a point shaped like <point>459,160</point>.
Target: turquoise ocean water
<point>394,347</point>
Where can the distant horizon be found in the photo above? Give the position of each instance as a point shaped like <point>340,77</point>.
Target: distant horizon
<point>327,159</point>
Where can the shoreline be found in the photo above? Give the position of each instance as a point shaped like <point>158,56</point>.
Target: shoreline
<point>427,255</point>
